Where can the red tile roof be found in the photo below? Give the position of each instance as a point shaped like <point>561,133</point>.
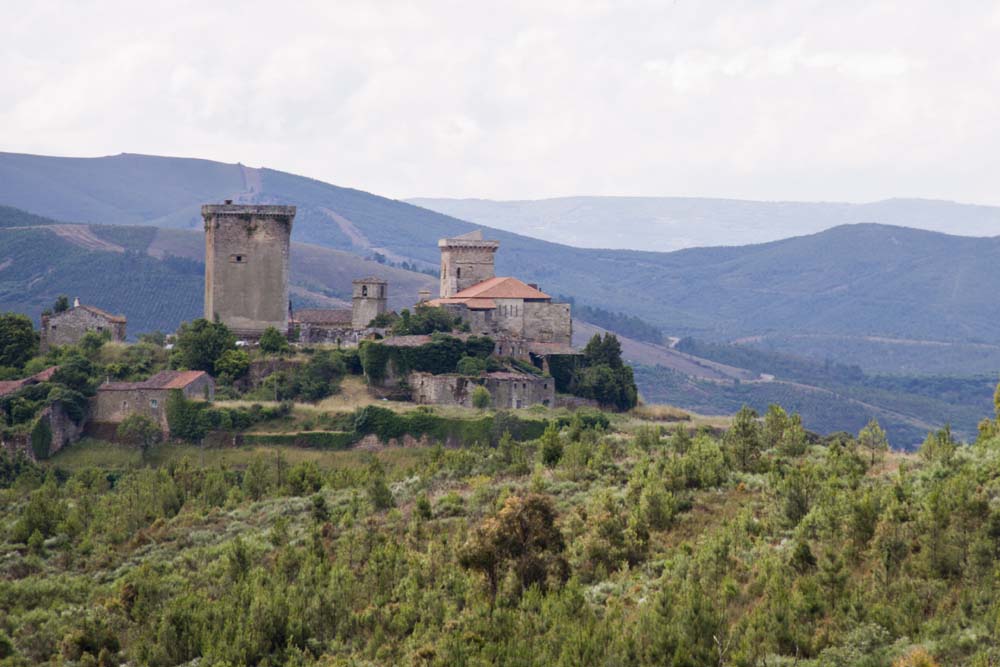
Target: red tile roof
<point>501,288</point>
<point>482,296</point>
<point>118,319</point>
<point>162,380</point>
<point>10,386</point>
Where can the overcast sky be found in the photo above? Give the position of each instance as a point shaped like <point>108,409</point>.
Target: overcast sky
<point>801,100</point>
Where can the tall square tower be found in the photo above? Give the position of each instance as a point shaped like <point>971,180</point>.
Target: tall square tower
<point>368,301</point>
<point>246,266</point>
<point>466,260</point>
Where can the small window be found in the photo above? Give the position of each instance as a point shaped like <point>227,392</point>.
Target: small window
<point>381,291</point>
<point>458,272</point>
<point>124,405</point>
<point>364,290</point>
<point>238,258</point>
<point>153,403</point>
<point>100,329</point>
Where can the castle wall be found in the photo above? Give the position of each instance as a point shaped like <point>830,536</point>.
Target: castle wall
<point>546,322</point>
<point>246,266</point>
<point>68,327</point>
<point>507,390</point>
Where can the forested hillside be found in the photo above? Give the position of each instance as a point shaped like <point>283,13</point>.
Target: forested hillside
<point>591,545</point>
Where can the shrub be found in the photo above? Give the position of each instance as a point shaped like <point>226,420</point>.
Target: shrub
<point>552,447</point>
<point>481,398</point>
<point>41,439</point>
<point>273,342</point>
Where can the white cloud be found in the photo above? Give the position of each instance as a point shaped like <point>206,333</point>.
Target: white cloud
<point>789,99</point>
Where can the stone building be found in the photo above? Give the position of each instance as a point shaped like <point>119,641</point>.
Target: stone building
<point>508,390</point>
<point>465,261</point>
<point>69,326</point>
<point>117,400</point>
<point>369,301</point>
<point>507,307</point>
<point>246,266</point>
<point>344,326</point>
<point>10,386</point>
<point>500,307</point>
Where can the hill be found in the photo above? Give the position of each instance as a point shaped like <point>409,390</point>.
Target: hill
<point>621,547</point>
<point>156,276</point>
<point>844,288</point>
<point>673,223</point>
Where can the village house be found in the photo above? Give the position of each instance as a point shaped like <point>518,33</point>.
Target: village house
<point>117,400</point>
<point>10,386</point>
<point>69,326</point>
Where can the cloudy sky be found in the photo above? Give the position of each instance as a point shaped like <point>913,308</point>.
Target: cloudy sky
<point>802,100</point>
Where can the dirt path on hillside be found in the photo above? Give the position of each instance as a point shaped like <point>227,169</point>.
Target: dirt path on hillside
<point>84,237</point>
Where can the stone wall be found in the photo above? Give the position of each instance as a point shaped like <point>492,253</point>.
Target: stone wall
<point>68,327</point>
<point>546,322</point>
<point>331,335</point>
<point>507,390</point>
<point>65,432</point>
<point>246,266</point>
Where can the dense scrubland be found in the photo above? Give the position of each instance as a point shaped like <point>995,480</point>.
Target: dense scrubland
<point>618,541</point>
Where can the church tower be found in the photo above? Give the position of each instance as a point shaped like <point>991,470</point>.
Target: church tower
<point>369,301</point>
<point>466,260</point>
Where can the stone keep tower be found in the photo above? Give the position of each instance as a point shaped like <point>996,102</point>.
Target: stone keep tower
<point>246,266</point>
<point>369,301</point>
<point>465,261</point>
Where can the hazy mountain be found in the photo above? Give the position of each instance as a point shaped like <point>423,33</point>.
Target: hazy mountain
<point>672,223</point>
<point>851,289</point>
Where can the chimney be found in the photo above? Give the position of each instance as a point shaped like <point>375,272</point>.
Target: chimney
<point>424,295</point>
<point>533,285</point>
<point>76,302</point>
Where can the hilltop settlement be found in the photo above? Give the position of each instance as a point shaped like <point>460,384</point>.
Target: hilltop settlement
<point>484,341</point>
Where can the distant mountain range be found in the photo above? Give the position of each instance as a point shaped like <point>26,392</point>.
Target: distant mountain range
<point>890,299</point>
<point>673,223</point>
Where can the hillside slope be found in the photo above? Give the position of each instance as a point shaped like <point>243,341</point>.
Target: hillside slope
<point>156,277</point>
<point>673,223</point>
<point>850,283</point>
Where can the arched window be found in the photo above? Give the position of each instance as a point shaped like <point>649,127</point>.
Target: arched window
<point>364,290</point>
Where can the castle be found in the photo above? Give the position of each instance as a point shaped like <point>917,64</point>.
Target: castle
<point>504,308</point>
<point>246,288</point>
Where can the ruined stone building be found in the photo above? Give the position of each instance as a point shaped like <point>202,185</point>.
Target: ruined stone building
<point>69,326</point>
<point>246,266</point>
<point>117,400</point>
<point>508,390</point>
<point>344,326</point>
<point>500,307</point>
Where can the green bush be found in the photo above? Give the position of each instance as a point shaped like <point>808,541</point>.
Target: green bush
<point>41,439</point>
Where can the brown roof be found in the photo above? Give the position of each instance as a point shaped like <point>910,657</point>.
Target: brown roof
<point>501,288</point>
<point>10,386</point>
<point>482,296</point>
<point>118,319</point>
<point>472,304</point>
<point>324,316</point>
<point>162,380</point>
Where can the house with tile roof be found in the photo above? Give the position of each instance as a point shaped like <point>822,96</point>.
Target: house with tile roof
<point>69,326</point>
<point>117,400</point>
<point>497,306</point>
